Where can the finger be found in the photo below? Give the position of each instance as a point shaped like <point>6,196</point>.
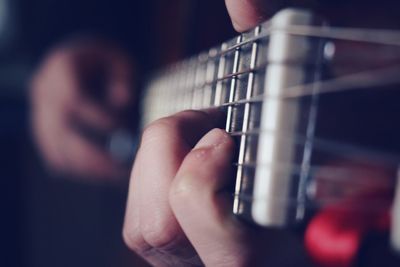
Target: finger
<point>201,206</point>
<point>246,14</point>
<point>203,209</point>
<point>164,145</point>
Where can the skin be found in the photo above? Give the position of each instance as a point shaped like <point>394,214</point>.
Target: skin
<point>64,100</point>
<point>179,212</point>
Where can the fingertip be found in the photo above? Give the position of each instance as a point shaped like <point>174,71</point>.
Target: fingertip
<point>246,14</point>
<point>243,25</point>
<point>213,139</point>
<point>206,169</point>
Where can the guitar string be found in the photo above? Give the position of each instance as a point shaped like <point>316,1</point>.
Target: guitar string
<point>351,81</point>
<point>368,35</point>
<point>376,203</point>
<point>359,81</point>
<point>327,172</point>
<point>374,36</point>
<point>332,86</point>
<point>343,176</point>
<point>325,145</point>
<point>370,78</point>
<point>264,65</point>
<point>336,148</point>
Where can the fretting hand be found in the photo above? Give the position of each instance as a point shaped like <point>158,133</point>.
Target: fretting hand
<point>179,208</point>
<point>80,97</point>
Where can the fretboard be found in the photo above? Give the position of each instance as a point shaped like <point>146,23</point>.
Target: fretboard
<point>236,76</point>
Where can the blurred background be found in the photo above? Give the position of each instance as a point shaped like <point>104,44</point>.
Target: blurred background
<point>52,215</point>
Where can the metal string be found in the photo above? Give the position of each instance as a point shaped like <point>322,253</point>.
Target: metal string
<point>373,36</point>
<point>360,80</point>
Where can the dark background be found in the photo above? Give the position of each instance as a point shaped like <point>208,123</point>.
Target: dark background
<point>48,220</point>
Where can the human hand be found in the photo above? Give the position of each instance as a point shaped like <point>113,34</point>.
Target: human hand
<point>80,97</point>
<point>179,205</point>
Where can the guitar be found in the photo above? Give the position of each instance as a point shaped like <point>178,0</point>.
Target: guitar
<point>313,111</point>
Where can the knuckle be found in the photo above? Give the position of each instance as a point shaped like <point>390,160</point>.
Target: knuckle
<point>173,125</point>
<point>157,129</point>
<point>134,240</point>
<point>161,234</point>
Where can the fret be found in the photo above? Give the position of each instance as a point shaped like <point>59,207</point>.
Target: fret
<point>212,74</point>
<point>182,85</point>
<point>167,88</point>
<point>192,67</point>
<point>207,89</point>
<point>193,87</point>
<point>230,120</point>
<point>180,91</point>
<point>244,176</point>
<point>219,85</point>
<point>200,79</point>
<point>186,85</point>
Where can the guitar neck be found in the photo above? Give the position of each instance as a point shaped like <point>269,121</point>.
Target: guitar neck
<point>236,76</point>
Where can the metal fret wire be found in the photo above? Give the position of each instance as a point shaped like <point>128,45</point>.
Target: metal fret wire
<point>220,74</point>
<point>245,125</point>
<point>232,89</point>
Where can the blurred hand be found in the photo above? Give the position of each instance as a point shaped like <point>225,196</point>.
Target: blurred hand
<point>179,205</point>
<point>80,97</point>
